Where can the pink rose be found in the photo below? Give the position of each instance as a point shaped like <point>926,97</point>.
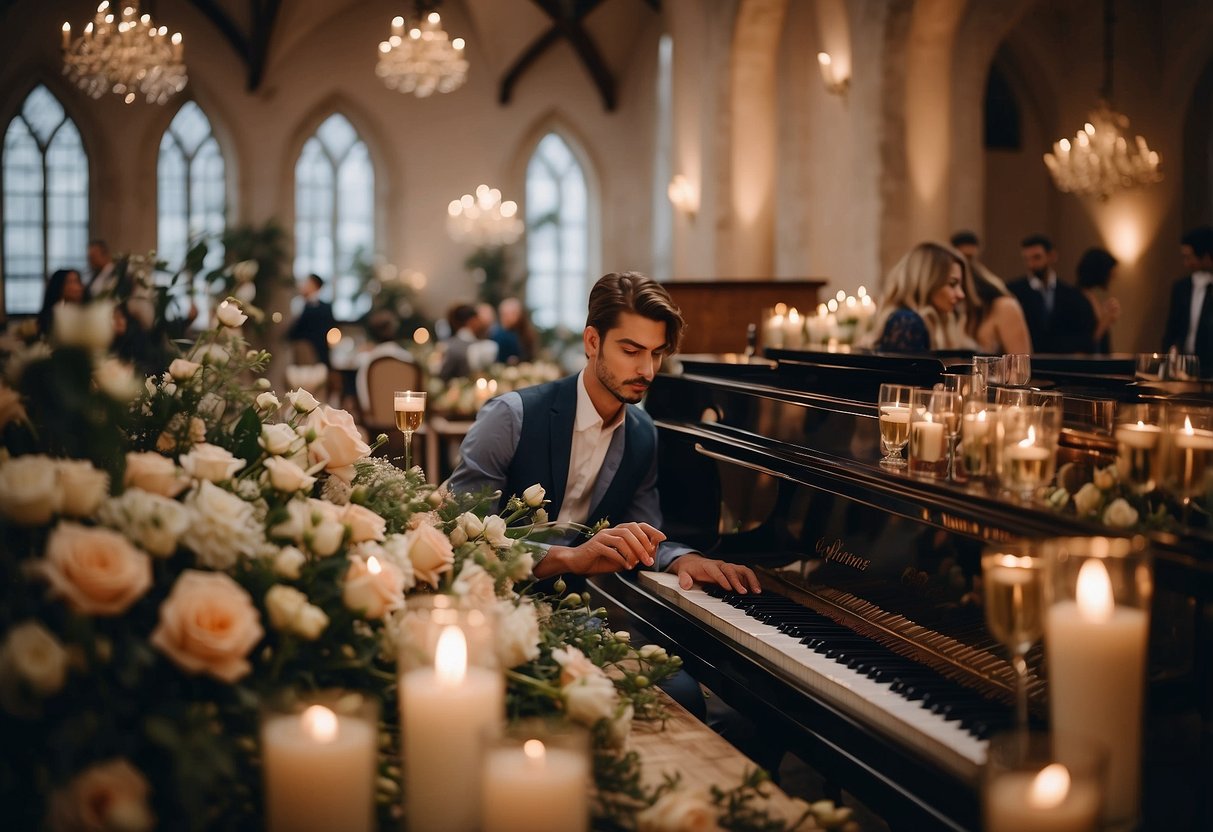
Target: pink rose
<point>373,587</point>
<point>105,796</point>
<point>431,554</point>
<point>155,473</point>
<point>97,571</point>
<point>208,624</point>
<point>364,524</point>
<point>338,444</point>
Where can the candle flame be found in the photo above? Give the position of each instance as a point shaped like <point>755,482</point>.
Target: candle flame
<point>1030,440</point>
<point>319,723</point>
<point>981,415</point>
<point>781,309</point>
<point>1049,787</point>
<point>534,751</point>
<point>373,566</point>
<point>451,657</point>
<point>1141,424</point>
<point>1094,592</point>
<point>1188,425</point>
<point>793,315</point>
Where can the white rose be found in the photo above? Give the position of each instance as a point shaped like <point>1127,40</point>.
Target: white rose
<point>96,571</point>
<point>395,548</point>
<point>90,326</point>
<point>288,562</point>
<point>679,811</point>
<point>533,496</point>
<point>153,522</point>
<point>223,528</point>
<point>326,538</point>
<point>338,444</point>
<point>107,797</point>
<point>208,624</point>
<point>1104,478</point>
<point>29,490</point>
<point>474,584</point>
<point>213,354</point>
<point>297,523</point>
<point>494,531</point>
<point>472,525</point>
<point>364,524</point>
<point>277,439</point>
<point>116,379</point>
<point>541,516</point>
<point>431,553</point>
<point>155,473</point>
<point>517,633</point>
<point>1120,514</point>
<point>229,313</point>
<point>574,665</point>
<point>290,612</point>
<point>183,369</point>
<point>590,699</point>
<point>211,406</point>
<point>311,622</point>
<point>458,536</point>
<point>268,401</point>
<point>286,475</point>
<point>653,653</point>
<point>302,400</point>
<point>82,487</point>
<point>33,655</point>
<point>522,567</point>
<point>210,463</point>
<point>372,588</point>
<point>245,270</point>
<point>1088,499</point>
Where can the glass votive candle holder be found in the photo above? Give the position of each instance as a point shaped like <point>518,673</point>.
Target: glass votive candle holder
<point>1027,454</point>
<point>452,696</point>
<point>934,419</point>
<point>1187,468</point>
<point>1032,782</point>
<point>1017,369</point>
<point>1096,629</point>
<point>536,778</point>
<point>1139,446</point>
<point>988,368</point>
<point>978,435</point>
<point>319,761</point>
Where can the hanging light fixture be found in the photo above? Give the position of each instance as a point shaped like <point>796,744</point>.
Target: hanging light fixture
<point>126,54</point>
<point>423,61</point>
<point>1102,159</point>
<point>483,219</point>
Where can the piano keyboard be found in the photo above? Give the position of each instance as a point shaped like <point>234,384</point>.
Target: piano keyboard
<point>936,717</point>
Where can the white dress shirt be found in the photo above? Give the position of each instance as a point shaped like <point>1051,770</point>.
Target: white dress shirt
<point>1046,287</point>
<point>591,439</point>
<point>1200,283</point>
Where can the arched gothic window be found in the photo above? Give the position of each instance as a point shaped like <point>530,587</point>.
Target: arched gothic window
<point>191,194</point>
<point>335,212</point>
<point>557,241</point>
<point>45,182</point>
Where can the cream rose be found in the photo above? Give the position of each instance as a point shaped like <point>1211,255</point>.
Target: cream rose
<point>183,369</point>
<point>326,538</point>
<point>211,463</point>
<point>372,587</point>
<point>302,400</point>
<point>590,699</point>
<point>494,531</point>
<point>154,473</point>
<point>286,476</point>
<point>541,516</point>
<point>106,797</point>
<point>277,439</point>
<point>474,584</point>
<point>431,553</point>
<point>29,490</point>
<point>1120,514</point>
<point>222,527</point>
<point>208,624</point>
<point>517,633</point>
<point>653,653</point>
<point>1088,499</point>
<point>229,313</point>
<point>522,567</point>
<point>290,612</point>
<point>337,444</point>
<point>679,811</point>
<point>268,401</point>
<point>90,326</point>
<point>116,379</point>
<point>288,562</point>
<point>574,665</point>
<point>33,655</point>
<point>534,495</point>
<point>82,487</point>
<point>213,354</point>
<point>153,522</point>
<point>1104,478</point>
<point>471,525</point>
<point>96,571</point>
<point>364,524</point>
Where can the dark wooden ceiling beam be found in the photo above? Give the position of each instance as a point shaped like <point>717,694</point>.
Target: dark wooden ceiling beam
<point>253,49</point>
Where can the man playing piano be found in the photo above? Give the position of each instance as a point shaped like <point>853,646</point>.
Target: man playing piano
<point>593,451</point>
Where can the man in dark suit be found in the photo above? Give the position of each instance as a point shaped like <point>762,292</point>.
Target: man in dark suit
<point>1059,317</point>
<point>594,452</point>
<point>1190,317</point>
<point>314,322</point>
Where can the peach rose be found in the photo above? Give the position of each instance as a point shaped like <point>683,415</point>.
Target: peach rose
<point>83,487</point>
<point>364,524</point>
<point>574,665</point>
<point>431,553</point>
<point>152,472</point>
<point>337,444</point>
<point>287,476</point>
<point>106,796</point>
<point>97,571</point>
<point>210,462</point>
<point>208,624</point>
<point>372,587</point>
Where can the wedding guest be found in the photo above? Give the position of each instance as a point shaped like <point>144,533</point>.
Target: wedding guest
<point>993,317</point>
<point>1094,272</point>
<point>1190,317</point>
<point>514,335</point>
<point>919,302</point>
<point>64,286</point>
<point>311,329</point>
<point>468,349</point>
<point>1059,318</point>
<point>102,280</point>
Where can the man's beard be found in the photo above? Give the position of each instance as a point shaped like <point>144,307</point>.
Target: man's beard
<point>618,390</point>
<point>1041,274</point>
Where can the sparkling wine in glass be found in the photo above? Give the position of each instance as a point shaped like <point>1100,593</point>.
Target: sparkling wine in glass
<point>894,408</point>
<point>410,413</point>
<point>1014,584</point>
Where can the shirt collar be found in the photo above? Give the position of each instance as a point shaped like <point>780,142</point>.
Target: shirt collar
<point>1201,278</point>
<point>1042,285</point>
<point>587,415</point>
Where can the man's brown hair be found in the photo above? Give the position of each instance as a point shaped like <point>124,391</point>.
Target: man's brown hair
<point>637,293</point>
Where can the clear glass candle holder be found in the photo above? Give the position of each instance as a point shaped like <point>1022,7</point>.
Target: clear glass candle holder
<point>1017,370</point>
<point>1027,452</point>
<point>978,440</point>
<point>1034,781</point>
<point>319,756</point>
<point>1096,629</point>
<point>893,406</point>
<point>1187,466</point>
<point>1139,445</point>
<point>934,421</point>
<point>988,368</point>
<point>537,778</point>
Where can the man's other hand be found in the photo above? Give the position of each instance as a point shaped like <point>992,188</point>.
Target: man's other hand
<point>611,550</point>
<point>692,568</point>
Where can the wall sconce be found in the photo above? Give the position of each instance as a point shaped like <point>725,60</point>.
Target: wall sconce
<point>684,196</point>
<point>834,84</point>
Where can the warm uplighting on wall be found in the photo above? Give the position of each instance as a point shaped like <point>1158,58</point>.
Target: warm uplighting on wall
<point>837,82</point>
<point>684,196</point>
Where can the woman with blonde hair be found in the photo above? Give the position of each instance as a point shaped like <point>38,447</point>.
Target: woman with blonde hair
<point>918,307</point>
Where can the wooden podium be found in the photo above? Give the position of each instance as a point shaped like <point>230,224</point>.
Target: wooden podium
<point>717,312</point>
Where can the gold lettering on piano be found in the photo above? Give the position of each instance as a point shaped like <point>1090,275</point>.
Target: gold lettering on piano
<point>973,528</point>
<point>834,550</point>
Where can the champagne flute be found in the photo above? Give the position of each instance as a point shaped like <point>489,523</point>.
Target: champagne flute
<point>894,409</point>
<point>410,413</point>
<point>1014,583</point>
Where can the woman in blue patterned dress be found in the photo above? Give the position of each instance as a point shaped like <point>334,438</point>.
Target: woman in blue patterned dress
<point>921,300</point>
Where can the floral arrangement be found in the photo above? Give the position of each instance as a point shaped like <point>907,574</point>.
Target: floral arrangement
<point>255,260</point>
<point>464,396</point>
<point>1105,499</point>
<point>176,550</point>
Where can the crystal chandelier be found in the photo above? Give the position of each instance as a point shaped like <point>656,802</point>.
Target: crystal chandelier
<point>424,61</point>
<point>1102,159</point>
<point>126,55</point>
<point>483,219</point>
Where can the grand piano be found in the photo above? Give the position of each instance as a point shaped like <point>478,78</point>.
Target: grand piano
<point>867,654</point>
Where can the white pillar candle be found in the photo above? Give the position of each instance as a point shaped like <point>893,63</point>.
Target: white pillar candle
<point>1043,801</point>
<point>1194,439</point>
<point>319,771</point>
<point>926,441</point>
<point>793,330</point>
<point>772,331</point>
<point>1096,655</point>
<point>1140,435</point>
<point>409,404</point>
<point>536,788</point>
<point>446,713</point>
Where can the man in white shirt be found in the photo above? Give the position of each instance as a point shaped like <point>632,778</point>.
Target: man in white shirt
<point>101,270</point>
<point>1190,318</point>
